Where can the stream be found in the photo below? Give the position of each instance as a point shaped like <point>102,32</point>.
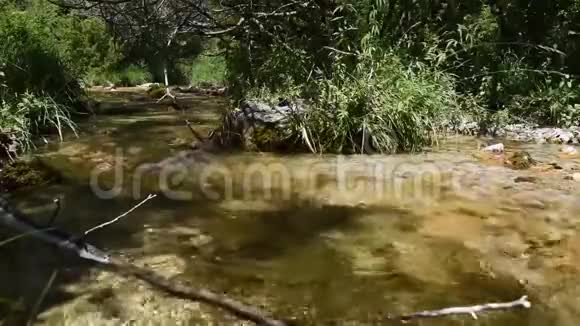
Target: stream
<point>318,239</point>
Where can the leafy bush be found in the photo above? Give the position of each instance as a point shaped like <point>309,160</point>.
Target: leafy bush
<point>29,64</point>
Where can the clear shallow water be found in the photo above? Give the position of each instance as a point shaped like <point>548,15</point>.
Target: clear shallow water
<point>329,240</point>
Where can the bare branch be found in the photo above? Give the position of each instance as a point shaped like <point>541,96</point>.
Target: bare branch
<point>469,310</point>
<point>41,298</point>
<point>151,196</point>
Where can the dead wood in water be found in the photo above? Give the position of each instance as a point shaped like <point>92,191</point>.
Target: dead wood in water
<point>467,310</point>
<point>11,218</point>
<point>184,291</point>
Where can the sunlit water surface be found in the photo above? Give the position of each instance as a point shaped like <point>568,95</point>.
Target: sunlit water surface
<point>318,239</point>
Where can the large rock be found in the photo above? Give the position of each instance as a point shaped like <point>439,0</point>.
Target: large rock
<point>257,126</point>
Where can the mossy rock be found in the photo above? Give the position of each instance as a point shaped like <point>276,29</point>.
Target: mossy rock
<point>520,161</point>
<point>156,91</point>
<point>270,139</point>
<point>23,174</point>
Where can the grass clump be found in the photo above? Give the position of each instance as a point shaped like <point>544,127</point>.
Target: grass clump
<point>133,75</point>
<point>156,91</point>
<point>24,116</point>
<point>382,106</point>
<point>208,71</point>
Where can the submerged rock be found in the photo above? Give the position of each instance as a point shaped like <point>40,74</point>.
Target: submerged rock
<point>574,177</point>
<point>520,161</point>
<point>526,179</point>
<point>21,174</point>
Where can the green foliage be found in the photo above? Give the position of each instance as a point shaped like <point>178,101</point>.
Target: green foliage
<point>206,70</point>
<point>28,114</point>
<point>30,63</point>
<point>81,43</point>
<point>132,75</point>
<point>381,106</point>
<point>512,61</point>
<point>156,91</point>
<point>47,52</point>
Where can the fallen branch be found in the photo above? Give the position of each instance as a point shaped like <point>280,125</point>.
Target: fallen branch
<point>469,310</point>
<point>195,134</point>
<point>100,226</point>
<point>12,218</point>
<point>167,94</point>
<point>185,291</point>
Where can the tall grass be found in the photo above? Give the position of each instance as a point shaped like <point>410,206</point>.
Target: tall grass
<point>132,75</point>
<point>24,116</point>
<point>208,70</point>
<point>381,106</point>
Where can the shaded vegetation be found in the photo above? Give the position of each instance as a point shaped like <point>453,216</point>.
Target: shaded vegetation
<point>208,71</point>
<point>375,75</point>
<point>509,62</point>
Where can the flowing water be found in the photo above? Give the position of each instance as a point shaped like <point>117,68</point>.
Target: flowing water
<point>317,239</point>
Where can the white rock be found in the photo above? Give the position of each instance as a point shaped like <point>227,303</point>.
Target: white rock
<point>497,148</point>
<point>569,150</point>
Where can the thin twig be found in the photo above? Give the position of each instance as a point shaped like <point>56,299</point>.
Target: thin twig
<point>43,294</point>
<point>55,213</point>
<point>469,310</point>
<point>195,134</point>
<point>183,290</point>
<point>22,235</point>
<point>151,196</point>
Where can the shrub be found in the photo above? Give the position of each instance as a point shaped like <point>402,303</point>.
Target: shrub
<point>29,65</point>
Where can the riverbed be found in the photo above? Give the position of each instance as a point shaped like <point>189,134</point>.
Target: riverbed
<point>316,239</point>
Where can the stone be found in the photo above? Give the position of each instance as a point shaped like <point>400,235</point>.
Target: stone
<point>520,161</point>
<point>257,126</point>
<point>496,148</point>
<point>568,150</point>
